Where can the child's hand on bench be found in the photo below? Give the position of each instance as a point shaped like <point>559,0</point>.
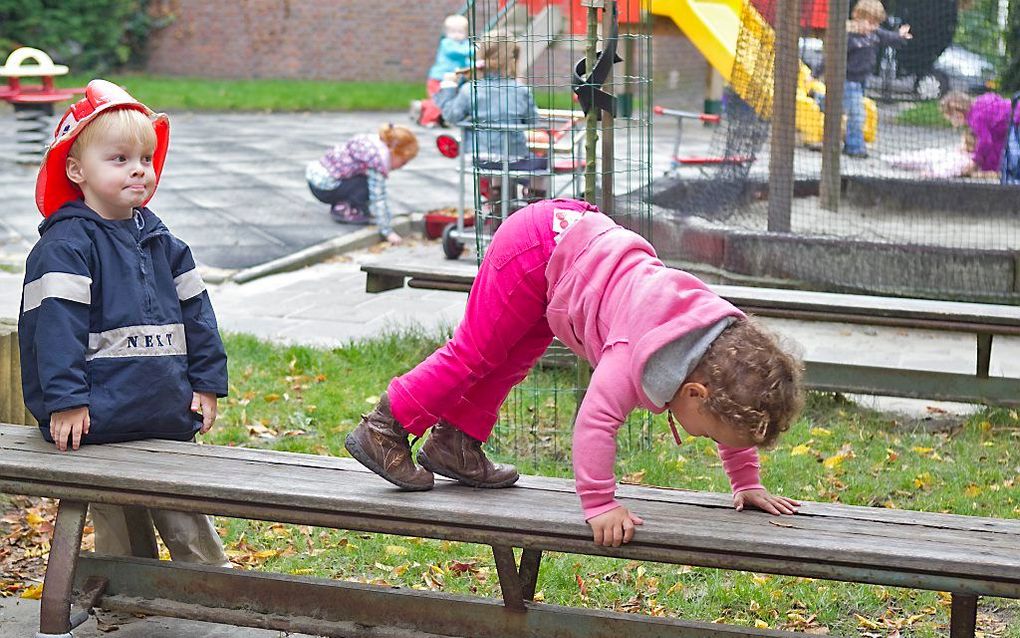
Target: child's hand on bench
<point>761,499</point>
<point>205,404</point>
<point>73,423</point>
<point>615,527</point>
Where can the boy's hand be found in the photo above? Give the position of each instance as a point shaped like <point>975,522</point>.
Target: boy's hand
<point>905,32</point>
<point>764,501</point>
<point>615,527</point>
<point>205,404</point>
<point>73,423</point>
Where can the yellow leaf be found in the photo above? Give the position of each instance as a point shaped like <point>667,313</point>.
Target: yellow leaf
<point>302,572</point>
<point>266,553</point>
<point>867,624</point>
<point>761,624</point>
<point>33,593</point>
<point>634,478</point>
<point>923,451</point>
<point>678,587</point>
<point>985,426</point>
<point>33,519</point>
<point>922,481</point>
<point>397,550</point>
<point>972,490</point>
<point>834,461</point>
<point>271,397</point>
<point>800,450</point>
<point>820,432</point>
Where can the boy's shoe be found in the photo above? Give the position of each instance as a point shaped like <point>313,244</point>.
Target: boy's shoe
<point>453,454</point>
<point>415,111</point>
<point>856,154</point>
<point>380,444</point>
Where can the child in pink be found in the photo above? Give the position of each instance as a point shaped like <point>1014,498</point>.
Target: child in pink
<point>657,338</point>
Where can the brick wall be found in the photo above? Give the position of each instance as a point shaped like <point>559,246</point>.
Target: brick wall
<point>317,39</point>
<point>350,40</point>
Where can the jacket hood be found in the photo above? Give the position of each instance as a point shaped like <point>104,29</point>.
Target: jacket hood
<point>78,209</point>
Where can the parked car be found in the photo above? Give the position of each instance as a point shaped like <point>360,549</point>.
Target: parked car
<point>966,71</point>
<point>956,69</point>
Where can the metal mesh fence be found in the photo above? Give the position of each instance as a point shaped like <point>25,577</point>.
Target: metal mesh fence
<point>902,198</point>
<point>525,134</point>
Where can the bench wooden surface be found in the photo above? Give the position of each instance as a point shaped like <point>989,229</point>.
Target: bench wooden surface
<point>984,321</point>
<point>969,556</point>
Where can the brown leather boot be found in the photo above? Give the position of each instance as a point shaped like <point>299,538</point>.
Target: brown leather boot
<point>453,454</point>
<point>380,444</point>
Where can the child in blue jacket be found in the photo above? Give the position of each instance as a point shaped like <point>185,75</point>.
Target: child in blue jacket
<point>117,334</point>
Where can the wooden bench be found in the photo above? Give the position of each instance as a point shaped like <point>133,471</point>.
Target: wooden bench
<point>984,321</point>
<point>967,556</point>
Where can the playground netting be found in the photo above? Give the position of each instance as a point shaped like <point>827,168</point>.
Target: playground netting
<point>526,54</point>
<point>918,210</point>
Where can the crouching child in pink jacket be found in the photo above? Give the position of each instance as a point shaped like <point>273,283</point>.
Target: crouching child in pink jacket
<point>657,338</point>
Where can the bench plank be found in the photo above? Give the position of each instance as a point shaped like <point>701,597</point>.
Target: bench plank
<point>996,319</point>
<point>542,513</point>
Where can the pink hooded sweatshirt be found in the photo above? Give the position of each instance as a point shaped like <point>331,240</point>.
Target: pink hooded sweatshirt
<point>614,303</point>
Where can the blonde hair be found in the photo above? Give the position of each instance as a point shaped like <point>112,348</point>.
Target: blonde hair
<point>400,140</point>
<point>753,383</point>
<point>129,125</point>
<point>498,54</point>
<point>869,10</point>
<point>956,102</point>
<point>455,23</point>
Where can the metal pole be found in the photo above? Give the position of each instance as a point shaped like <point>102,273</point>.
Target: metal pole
<point>608,138</point>
<point>591,134</point>
<point>784,115</point>
<point>835,79</point>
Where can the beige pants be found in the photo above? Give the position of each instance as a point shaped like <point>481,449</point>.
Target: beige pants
<point>191,538</point>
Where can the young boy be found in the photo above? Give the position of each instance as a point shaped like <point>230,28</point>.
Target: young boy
<point>864,37</point>
<point>118,337</point>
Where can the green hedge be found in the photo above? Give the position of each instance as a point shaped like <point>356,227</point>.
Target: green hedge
<point>86,35</point>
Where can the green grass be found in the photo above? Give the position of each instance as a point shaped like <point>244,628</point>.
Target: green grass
<point>170,93</point>
<point>924,114</point>
<point>306,400</point>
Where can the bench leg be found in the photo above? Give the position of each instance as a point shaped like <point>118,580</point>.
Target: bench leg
<point>531,559</point>
<point>963,619</point>
<point>55,610</point>
<point>381,283</point>
<point>984,354</point>
<point>517,586</point>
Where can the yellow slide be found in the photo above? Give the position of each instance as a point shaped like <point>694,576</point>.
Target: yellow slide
<point>713,26</point>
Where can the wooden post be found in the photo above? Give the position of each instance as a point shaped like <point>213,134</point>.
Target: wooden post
<point>784,116</point>
<point>608,138</point>
<point>12,400</point>
<point>835,78</point>
<point>591,134</point>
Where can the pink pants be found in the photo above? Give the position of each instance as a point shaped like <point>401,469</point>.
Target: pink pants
<point>502,335</point>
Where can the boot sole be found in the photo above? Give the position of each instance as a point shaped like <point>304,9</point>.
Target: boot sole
<point>359,454</point>
<point>423,461</point>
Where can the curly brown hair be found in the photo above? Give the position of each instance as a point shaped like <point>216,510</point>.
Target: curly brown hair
<point>753,383</point>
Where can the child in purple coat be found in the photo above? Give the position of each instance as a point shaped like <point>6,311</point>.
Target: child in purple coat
<point>988,120</point>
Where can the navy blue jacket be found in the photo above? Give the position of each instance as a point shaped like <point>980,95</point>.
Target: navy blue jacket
<point>115,316</point>
<point>862,52</point>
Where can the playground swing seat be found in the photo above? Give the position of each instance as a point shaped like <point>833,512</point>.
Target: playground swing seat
<point>701,162</point>
<point>505,186</point>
